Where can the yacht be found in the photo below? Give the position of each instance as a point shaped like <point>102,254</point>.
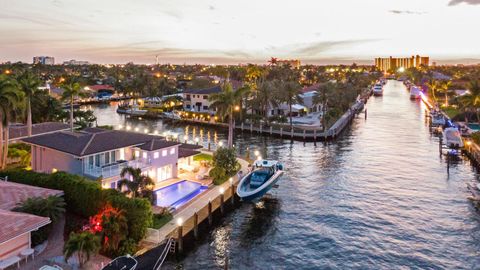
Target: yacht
<point>257,183</point>
<point>437,118</point>
<point>415,92</point>
<point>122,263</point>
<point>133,110</point>
<point>378,89</point>
<point>452,138</point>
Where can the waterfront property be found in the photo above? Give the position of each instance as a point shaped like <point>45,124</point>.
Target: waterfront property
<point>20,131</point>
<point>15,227</point>
<point>197,100</point>
<point>98,153</point>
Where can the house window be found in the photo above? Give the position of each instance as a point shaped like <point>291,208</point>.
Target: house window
<point>137,153</point>
<point>172,151</point>
<point>164,153</point>
<point>156,155</point>
<point>205,97</point>
<point>273,112</point>
<point>188,106</point>
<point>113,185</point>
<point>107,158</point>
<point>113,158</point>
<point>97,160</point>
<point>90,161</point>
<point>164,173</point>
<point>205,107</point>
<point>145,155</point>
<point>188,97</point>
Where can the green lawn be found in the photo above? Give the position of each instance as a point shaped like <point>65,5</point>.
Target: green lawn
<point>202,157</point>
<point>160,220</point>
<point>451,111</point>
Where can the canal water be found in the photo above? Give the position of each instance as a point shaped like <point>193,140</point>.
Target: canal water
<point>377,198</point>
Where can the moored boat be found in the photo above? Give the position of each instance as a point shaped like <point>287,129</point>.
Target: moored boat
<point>415,92</point>
<point>452,138</point>
<point>122,263</point>
<point>257,183</point>
<point>378,89</point>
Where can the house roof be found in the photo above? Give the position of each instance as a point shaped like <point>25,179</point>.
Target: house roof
<point>182,152</point>
<point>21,131</point>
<point>156,144</point>
<point>190,146</point>
<point>205,91</point>
<point>90,141</point>
<point>14,224</point>
<point>13,193</point>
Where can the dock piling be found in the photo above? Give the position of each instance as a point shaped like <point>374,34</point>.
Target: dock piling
<point>180,238</point>
<point>195,225</point>
<point>222,199</point>
<point>210,212</point>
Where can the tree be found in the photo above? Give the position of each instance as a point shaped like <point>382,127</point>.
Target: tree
<point>290,93</point>
<point>140,185</point>
<point>28,84</point>
<point>71,90</point>
<point>52,207</point>
<point>225,165</point>
<point>264,96</point>
<point>471,100</point>
<point>325,92</point>
<point>84,244</point>
<point>111,223</point>
<point>445,88</point>
<point>11,99</point>
<point>226,103</point>
<point>433,87</point>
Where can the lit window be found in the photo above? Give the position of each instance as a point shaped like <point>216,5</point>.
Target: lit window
<point>144,154</point>
<point>164,153</point>
<point>172,151</point>
<point>137,153</point>
<point>156,155</point>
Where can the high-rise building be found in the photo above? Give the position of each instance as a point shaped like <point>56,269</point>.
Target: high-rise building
<point>44,60</point>
<point>394,63</point>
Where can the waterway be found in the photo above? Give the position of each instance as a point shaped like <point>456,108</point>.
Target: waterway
<point>377,198</point>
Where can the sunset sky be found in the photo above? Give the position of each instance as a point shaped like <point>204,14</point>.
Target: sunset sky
<point>225,31</point>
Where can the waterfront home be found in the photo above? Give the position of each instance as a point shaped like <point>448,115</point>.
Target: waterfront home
<point>20,131</point>
<point>197,100</point>
<point>102,154</point>
<point>15,227</point>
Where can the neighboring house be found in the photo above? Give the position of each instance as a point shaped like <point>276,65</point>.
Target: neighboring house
<point>20,131</point>
<point>99,153</point>
<point>15,227</point>
<point>196,100</point>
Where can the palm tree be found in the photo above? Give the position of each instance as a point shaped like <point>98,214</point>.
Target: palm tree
<point>471,100</point>
<point>433,87</point>
<point>226,103</point>
<point>140,185</point>
<point>10,100</point>
<point>71,90</point>
<point>114,228</point>
<point>264,96</point>
<point>29,83</point>
<point>52,207</point>
<point>84,244</point>
<point>445,88</point>
<point>325,92</point>
<point>289,92</point>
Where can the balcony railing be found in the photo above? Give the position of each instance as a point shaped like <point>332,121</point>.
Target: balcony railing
<point>115,169</point>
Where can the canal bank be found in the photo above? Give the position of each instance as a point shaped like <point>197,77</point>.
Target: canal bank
<point>377,198</point>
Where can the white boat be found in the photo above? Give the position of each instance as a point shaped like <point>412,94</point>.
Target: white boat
<point>122,263</point>
<point>257,183</point>
<point>437,119</point>
<point>134,110</point>
<point>452,138</point>
<point>378,89</point>
<point>415,92</point>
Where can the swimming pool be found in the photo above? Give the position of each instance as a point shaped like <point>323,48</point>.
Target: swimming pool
<point>474,126</point>
<point>178,194</point>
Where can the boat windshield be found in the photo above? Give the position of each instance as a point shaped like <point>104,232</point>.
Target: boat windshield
<point>260,176</point>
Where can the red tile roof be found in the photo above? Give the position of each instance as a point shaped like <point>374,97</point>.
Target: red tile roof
<point>13,224</point>
<point>13,193</point>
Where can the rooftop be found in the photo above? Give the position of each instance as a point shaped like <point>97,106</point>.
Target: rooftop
<point>13,193</point>
<point>156,144</point>
<point>205,91</point>
<point>20,131</point>
<point>13,224</point>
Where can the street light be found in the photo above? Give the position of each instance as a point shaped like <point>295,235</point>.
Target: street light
<point>179,221</point>
<point>256,153</point>
<point>220,143</point>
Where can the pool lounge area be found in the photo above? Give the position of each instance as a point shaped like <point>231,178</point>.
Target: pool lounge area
<point>178,194</point>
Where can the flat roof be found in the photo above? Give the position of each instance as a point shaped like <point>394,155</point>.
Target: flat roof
<point>14,224</point>
<point>13,193</point>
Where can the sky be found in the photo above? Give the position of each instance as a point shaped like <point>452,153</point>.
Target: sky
<point>247,31</point>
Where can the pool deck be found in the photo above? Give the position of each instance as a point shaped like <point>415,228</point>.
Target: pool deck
<point>199,205</point>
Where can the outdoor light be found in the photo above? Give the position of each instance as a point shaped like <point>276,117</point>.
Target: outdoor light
<point>231,180</point>
<point>137,129</point>
<point>220,144</point>
<point>155,132</point>
<point>179,221</point>
<point>197,139</point>
<point>146,130</point>
<point>222,190</point>
<point>128,127</point>
<point>237,108</point>
<point>256,153</point>
<point>259,158</point>
<point>469,142</point>
<point>120,126</point>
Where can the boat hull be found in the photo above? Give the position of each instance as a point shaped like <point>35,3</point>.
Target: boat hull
<point>258,192</point>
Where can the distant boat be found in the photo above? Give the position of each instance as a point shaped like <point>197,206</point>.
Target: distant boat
<point>133,110</point>
<point>122,263</point>
<point>437,119</point>
<point>265,175</point>
<point>452,138</point>
<point>378,89</point>
<point>415,92</point>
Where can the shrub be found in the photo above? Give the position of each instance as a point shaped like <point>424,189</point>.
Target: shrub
<point>476,137</point>
<point>161,219</point>
<point>225,165</point>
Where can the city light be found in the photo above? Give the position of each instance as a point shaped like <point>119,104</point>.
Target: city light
<point>179,221</point>
<point>221,190</point>
<point>256,153</point>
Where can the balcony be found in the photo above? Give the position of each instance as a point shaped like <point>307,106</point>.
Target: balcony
<point>114,169</point>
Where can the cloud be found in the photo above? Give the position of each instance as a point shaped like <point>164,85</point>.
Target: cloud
<point>468,2</point>
<point>323,46</point>
<point>410,12</point>
<point>210,7</point>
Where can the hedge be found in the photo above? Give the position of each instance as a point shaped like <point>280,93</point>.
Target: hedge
<point>86,197</point>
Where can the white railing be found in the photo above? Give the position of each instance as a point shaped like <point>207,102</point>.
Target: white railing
<point>115,168</point>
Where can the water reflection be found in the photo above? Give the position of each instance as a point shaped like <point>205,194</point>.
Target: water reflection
<point>260,222</point>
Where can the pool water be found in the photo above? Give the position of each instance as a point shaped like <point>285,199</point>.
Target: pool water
<point>474,126</point>
<point>178,194</point>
